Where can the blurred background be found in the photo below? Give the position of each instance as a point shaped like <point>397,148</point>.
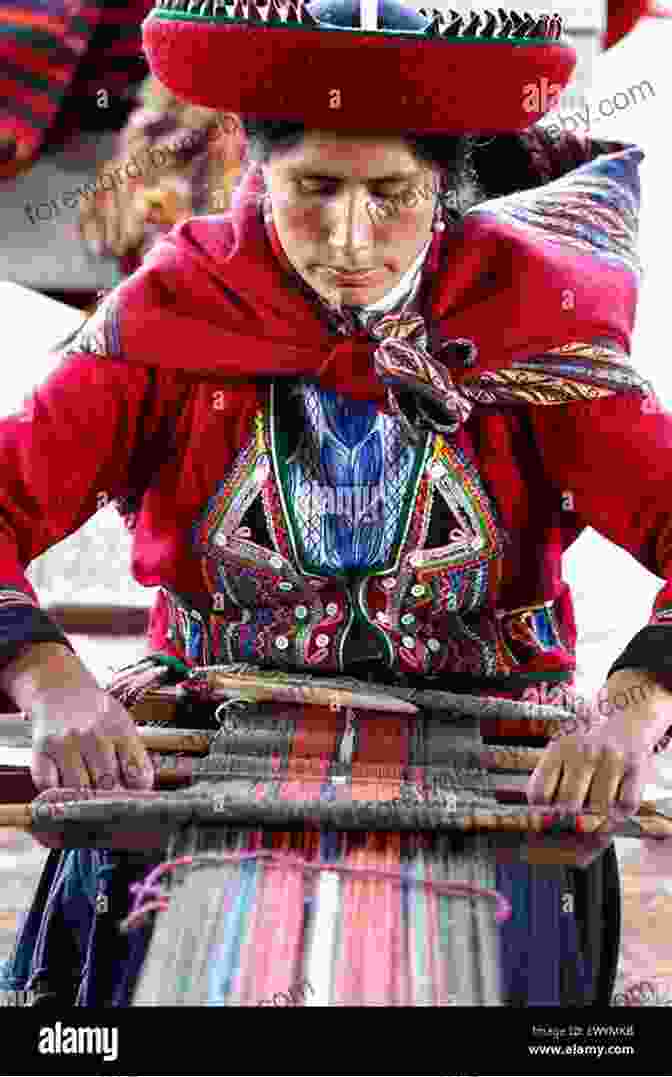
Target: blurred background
<point>76,102</point>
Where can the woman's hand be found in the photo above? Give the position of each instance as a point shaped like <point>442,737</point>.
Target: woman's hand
<point>604,767</point>
<point>84,739</point>
<point>84,742</point>
<point>603,771</point>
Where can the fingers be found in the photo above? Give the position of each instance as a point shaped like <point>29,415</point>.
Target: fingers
<point>603,776</point>
<point>543,784</point>
<point>632,789</point>
<point>136,766</point>
<point>43,771</point>
<point>59,763</point>
<point>90,761</point>
<point>101,760</point>
<point>575,775</point>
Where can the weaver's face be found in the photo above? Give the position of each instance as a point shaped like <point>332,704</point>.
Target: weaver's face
<point>352,212</point>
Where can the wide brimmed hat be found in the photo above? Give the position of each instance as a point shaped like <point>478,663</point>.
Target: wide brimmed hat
<point>325,65</point>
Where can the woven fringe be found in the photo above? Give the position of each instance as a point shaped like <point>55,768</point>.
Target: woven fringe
<point>237,935</point>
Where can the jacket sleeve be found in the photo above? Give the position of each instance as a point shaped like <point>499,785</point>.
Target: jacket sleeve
<point>610,461</point>
<point>87,435</point>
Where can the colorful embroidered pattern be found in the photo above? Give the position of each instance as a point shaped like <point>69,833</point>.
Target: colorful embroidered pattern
<point>428,610</point>
<point>9,596</point>
<point>573,372</point>
<point>346,481</point>
<point>424,609</point>
<point>403,362</point>
<point>529,631</point>
<point>593,209</point>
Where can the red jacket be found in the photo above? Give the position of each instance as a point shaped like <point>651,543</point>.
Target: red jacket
<point>164,397</point>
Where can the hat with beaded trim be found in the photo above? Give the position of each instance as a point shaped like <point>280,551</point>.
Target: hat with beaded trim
<point>375,66</point>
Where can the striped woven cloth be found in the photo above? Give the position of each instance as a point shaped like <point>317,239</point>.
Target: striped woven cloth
<point>55,58</point>
<point>237,934</point>
<point>240,933</point>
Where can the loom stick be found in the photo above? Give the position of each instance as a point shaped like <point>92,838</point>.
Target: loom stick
<point>299,689</point>
<point>16,784</point>
<point>146,810</point>
<point>15,752</point>
<point>235,681</point>
<point>16,732</point>
<point>497,719</point>
<point>280,687</point>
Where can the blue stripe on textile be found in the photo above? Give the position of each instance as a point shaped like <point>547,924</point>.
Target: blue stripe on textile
<point>226,964</point>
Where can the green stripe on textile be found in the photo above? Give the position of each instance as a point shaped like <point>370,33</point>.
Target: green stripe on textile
<point>169,660</point>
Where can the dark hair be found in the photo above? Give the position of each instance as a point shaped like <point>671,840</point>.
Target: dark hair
<point>453,154</point>
<point>477,167</point>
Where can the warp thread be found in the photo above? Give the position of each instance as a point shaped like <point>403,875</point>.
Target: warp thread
<point>150,897</point>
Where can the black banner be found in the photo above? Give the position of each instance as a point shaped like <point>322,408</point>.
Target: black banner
<point>287,1038</point>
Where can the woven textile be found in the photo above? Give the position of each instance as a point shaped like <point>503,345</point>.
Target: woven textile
<point>55,58</point>
<point>235,934</point>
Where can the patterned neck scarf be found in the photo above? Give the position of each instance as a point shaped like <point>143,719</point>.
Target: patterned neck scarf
<point>402,360</point>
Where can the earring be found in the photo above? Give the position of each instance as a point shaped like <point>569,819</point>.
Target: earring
<point>440,224</point>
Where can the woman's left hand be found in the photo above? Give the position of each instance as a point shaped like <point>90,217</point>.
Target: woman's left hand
<point>604,767</point>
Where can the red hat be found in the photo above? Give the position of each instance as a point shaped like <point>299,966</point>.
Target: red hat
<point>419,71</point>
<point>622,18</point>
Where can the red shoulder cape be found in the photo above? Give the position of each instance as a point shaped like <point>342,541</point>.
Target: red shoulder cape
<point>523,274</point>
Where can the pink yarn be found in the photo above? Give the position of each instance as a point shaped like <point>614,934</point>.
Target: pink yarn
<point>157,899</point>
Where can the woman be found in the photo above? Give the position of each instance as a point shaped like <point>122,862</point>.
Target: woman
<point>197,179</point>
<point>350,424</point>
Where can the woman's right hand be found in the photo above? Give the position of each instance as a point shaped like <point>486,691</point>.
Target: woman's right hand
<point>85,743</point>
<point>84,739</point>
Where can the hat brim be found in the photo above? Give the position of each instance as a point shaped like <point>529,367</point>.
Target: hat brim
<point>358,80</point>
